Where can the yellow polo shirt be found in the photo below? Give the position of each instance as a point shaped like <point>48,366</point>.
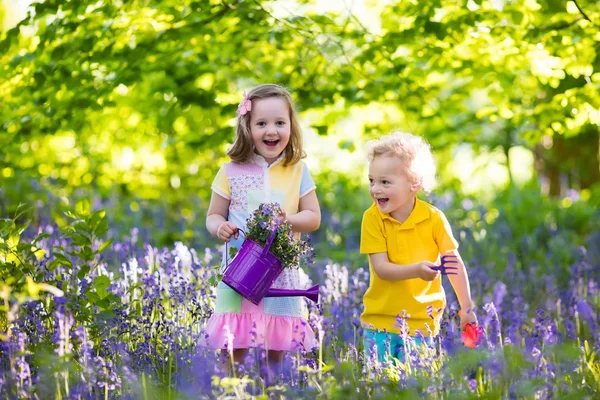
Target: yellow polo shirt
<point>422,237</point>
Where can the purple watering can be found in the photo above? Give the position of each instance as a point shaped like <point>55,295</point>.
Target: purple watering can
<point>254,269</point>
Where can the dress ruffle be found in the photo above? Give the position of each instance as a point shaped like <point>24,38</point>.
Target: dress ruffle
<point>271,332</point>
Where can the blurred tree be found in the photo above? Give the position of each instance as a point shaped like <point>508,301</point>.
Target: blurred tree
<point>136,99</point>
<point>495,74</point>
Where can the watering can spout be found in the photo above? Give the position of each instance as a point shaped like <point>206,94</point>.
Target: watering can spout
<point>311,293</point>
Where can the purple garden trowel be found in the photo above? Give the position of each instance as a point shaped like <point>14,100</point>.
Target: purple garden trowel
<point>444,269</point>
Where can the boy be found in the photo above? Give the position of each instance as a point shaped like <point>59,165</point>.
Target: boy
<point>404,237</point>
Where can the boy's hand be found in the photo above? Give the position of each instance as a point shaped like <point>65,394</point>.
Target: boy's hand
<point>226,230</point>
<point>425,272</point>
<point>467,318</point>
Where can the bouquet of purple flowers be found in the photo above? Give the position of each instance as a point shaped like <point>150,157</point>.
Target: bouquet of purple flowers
<point>290,251</point>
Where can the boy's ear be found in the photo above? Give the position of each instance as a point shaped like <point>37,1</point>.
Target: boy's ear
<point>416,185</point>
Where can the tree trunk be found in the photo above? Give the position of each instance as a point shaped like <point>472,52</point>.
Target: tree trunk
<point>571,163</point>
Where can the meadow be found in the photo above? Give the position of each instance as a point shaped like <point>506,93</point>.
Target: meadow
<point>123,319</point>
<point>116,115</point>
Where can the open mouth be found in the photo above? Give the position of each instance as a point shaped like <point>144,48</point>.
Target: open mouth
<point>382,202</point>
<point>271,143</point>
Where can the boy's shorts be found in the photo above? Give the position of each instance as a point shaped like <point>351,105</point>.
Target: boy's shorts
<point>381,345</point>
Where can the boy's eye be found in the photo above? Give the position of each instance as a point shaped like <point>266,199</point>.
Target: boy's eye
<point>385,182</point>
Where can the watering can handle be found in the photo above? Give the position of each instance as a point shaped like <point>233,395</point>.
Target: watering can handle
<point>227,252</point>
<point>270,240</point>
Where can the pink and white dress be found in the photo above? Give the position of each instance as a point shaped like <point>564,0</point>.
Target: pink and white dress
<point>275,323</point>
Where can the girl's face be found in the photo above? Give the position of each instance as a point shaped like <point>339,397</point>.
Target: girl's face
<point>391,187</point>
<point>270,127</point>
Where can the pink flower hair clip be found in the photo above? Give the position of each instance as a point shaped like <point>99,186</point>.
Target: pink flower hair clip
<point>245,105</point>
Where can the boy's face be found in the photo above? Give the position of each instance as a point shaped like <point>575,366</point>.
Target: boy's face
<point>390,185</point>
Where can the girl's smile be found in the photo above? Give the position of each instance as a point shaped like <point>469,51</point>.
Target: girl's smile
<point>271,143</point>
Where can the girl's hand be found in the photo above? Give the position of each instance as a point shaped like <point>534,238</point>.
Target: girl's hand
<point>425,272</point>
<point>226,230</point>
<point>467,318</point>
<point>282,217</point>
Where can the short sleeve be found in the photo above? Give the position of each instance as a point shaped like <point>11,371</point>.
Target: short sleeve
<point>372,239</point>
<point>443,234</point>
<point>221,184</point>
<point>307,184</point>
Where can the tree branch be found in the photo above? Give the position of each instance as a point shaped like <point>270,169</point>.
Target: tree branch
<point>585,16</point>
<point>582,12</point>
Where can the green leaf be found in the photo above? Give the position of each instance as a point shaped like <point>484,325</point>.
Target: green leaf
<point>70,215</point>
<point>52,265</point>
<point>41,236</point>
<point>233,251</point>
<point>96,217</point>
<point>102,227</point>
<point>101,284</point>
<point>214,280</point>
<point>103,303</point>
<point>82,226</point>
<point>61,259</point>
<point>80,239</point>
<point>104,245</point>
<point>347,145</point>
<point>321,129</point>
<point>23,227</point>
<point>92,296</point>
<point>83,271</point>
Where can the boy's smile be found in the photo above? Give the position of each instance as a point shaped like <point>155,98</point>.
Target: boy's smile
<point>382,202</point>
<point>391,188</point>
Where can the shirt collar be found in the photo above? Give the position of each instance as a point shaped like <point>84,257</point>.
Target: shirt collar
<point>418,214</point>
<point>260,160</point>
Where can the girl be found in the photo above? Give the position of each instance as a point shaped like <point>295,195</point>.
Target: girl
<point>265,166</point>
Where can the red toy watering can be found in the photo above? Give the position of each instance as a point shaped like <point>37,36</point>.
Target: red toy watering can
<point>472,336</point>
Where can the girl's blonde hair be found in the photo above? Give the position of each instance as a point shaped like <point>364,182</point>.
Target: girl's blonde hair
<point>412,150</point>
<point>243,147</point>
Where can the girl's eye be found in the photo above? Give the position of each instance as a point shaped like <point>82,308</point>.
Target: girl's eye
<point>260,123</point>
<point>280,123</point>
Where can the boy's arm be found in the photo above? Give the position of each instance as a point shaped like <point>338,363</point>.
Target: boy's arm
<point>308,218</point>
<point>393,272</point>
<point>460,284</point>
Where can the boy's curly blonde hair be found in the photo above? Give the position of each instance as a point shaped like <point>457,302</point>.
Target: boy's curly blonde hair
<point>412,150</point>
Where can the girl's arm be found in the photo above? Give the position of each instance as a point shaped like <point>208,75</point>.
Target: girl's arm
<point>216,218</point>
<point>308,218</point>
<point>460,284</point>
<point>394,272</point>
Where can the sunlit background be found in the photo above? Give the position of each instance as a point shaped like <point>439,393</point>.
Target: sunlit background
<point>153,139</point>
